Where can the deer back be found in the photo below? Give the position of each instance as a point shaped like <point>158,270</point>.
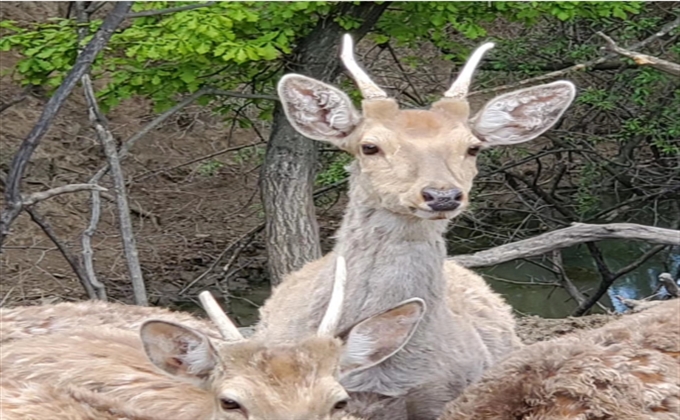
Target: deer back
<point>628,369</point>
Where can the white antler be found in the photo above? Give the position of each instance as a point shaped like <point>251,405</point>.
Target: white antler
<point>227,328</point>
<point>369,90</point>
<point>332,316</point>
<point>459,88</point>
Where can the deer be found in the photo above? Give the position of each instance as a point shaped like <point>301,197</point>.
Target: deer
<point>168,370</point>
<point>29,321</point>
<point>412,173</point>
<point>627,369</point>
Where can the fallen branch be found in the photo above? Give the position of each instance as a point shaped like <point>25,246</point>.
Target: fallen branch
<point>13,200</point>
<point>642,59</point>
<point>576,234</point>
<point>44,195</point>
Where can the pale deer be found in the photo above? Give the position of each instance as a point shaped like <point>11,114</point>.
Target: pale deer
<point>412,173</point>
<point>167,370</point>
<point>626,370</point>
<point>29,321</point>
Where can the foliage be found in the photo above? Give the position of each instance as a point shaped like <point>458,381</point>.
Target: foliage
<point>335,170</point>
<point>232,44</point>
<point>210,168</point>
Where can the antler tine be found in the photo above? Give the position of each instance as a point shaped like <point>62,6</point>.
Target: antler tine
<point>226,328</point>
<point>459,88</point>
<point>332,316</point>
<point>369,90</point>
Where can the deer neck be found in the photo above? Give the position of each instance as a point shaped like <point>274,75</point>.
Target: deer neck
<point>390,257</point>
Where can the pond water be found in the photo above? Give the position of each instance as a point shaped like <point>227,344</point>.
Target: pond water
<point>514,281</point>
<point>554,302</point>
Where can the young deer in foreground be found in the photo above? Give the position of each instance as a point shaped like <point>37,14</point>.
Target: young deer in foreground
<point>626,370</point>
<point>110,371</point>
<point>413,172</point>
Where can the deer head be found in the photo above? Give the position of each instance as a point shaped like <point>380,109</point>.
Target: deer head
<point>255,381</point>
<point>418,162</point>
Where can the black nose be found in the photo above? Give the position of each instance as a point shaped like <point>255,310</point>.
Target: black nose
<point>442,200</point>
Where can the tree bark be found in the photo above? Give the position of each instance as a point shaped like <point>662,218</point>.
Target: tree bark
<point>289,169</point>
<point>576,234</point>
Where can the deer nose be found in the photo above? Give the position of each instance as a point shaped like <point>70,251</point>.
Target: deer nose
<point>442,200</point>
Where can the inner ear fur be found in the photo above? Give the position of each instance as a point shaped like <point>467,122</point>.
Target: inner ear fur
<point>178,350</point>
<point>379,337</point>
<point>318,110</point>
<point>522,115</point>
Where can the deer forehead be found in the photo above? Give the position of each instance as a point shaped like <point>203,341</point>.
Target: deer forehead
<point>418,133</point>
<point>300,364</point>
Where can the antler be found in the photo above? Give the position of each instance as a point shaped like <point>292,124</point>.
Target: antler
<point>459,88</point>
<point>226,328</point>
<point>369,90</point>
<point>332,316</point>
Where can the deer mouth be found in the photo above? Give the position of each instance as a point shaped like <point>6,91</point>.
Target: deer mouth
<point>434,215</point>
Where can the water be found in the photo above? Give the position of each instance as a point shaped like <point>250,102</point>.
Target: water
<point>518,281</point>
<point>554,302</point>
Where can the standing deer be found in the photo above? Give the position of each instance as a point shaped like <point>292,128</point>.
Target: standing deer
<point>626,370</point>
<point>167,370</point>
<point>413,172</point>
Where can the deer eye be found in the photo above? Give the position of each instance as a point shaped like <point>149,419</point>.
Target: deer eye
<point>340,405</point>
<point>369,149</point>
<point>228,404</point>
<point>474,150</point>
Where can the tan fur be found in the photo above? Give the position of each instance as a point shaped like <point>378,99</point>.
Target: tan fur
<point>413,171</point>
<point>86,360</point>
<point>295,382</point>
<point>28,321</point>
<point>627,370</point>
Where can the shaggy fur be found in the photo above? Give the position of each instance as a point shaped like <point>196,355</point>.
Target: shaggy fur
<point>29,321</point>
<point>393,240</point>
<point>627,370</point>
<point>106,371</point>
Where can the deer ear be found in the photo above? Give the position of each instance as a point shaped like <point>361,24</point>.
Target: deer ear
<point>317,110</point>
<point>379,337</point>
<point>178,350</point>
<point>522,115</point>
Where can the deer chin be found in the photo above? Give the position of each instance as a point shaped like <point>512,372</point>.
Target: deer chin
<point>435,215</point>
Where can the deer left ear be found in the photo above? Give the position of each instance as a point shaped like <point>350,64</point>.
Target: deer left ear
<point>522,115</point>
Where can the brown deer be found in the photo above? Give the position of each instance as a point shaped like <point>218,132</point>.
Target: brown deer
<point>626,370</point>
<point>412,173</point>
<point>167,370</point>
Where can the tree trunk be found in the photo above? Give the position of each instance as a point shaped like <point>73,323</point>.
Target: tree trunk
<point>289,168</point>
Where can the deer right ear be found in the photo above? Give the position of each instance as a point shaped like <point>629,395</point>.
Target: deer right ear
<point>317,110</point>
<point>178,350</point>
<point>379,337</point>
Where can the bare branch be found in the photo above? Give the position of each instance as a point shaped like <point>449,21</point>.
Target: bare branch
<point>198,159</point>
<point>70,258</point>
<point>642,59</point>
<point>608,278</point>
<point>581,66</point>
<point>576,234</point>
<point>242,95</point>
<point>148,13</point>
<point>6,105</point>
<point>13,202</point>
<point>127,235</point>
<point>44,195</point>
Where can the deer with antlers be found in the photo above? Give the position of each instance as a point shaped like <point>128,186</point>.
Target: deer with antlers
<point>167,370</point>
<point>413,172</point>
